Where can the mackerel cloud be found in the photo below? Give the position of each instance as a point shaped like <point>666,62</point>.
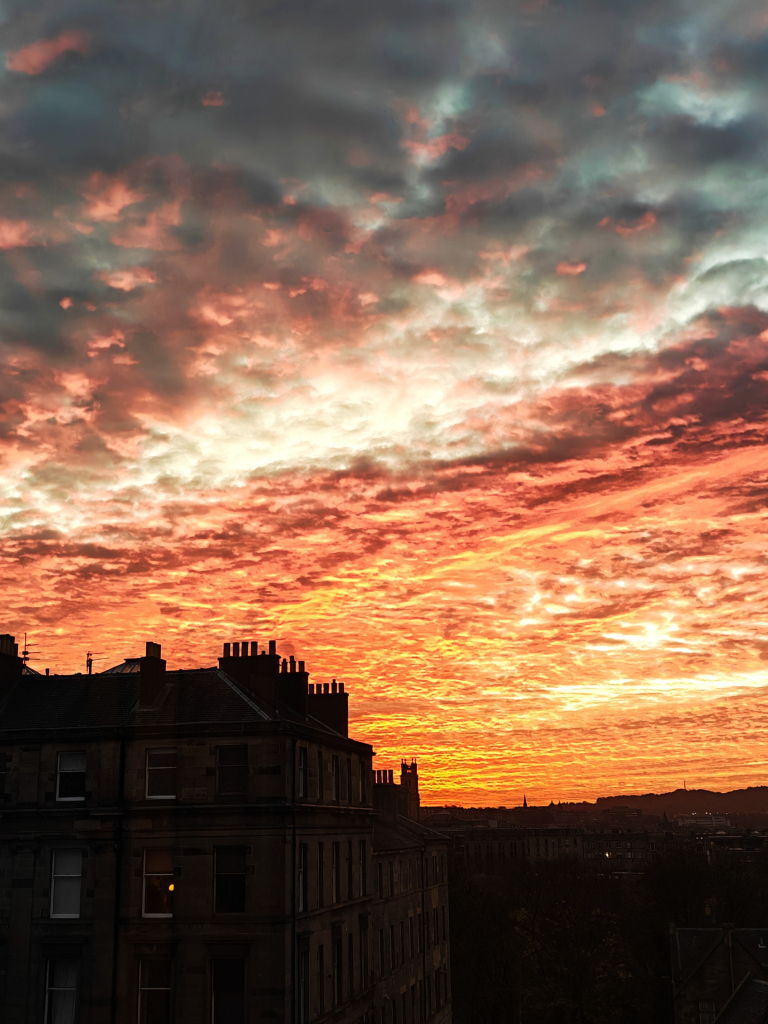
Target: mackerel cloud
<point>430,338</point>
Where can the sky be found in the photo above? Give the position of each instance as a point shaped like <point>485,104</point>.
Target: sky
<point>428,338</point>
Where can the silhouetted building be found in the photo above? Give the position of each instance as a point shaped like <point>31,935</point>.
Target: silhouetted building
<point>719,974</point>
<point>195,846</point>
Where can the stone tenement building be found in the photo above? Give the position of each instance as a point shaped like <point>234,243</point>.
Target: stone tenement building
<point>204,846</point>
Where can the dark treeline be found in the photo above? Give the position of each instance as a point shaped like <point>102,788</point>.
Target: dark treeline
<point>556,943</point>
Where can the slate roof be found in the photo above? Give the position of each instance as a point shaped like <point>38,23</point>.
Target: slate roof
<point>405,833</point>
<point>748,1004</point>
<point>692,947</point>
<point>110,701</point>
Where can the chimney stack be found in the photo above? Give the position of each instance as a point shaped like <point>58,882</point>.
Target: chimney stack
<point>151,674</point>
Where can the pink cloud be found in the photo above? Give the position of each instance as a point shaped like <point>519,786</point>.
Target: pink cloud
<point>571,269</point>
<point>126,279</point>
<point>14,233</point>
<point>212,99</point>
<point>35,58</point>
<point>107,197</point>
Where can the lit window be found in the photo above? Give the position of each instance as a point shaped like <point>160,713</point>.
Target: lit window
<point>230,879</point>
<point>155,992</point>
<point>161,774</point>
<point>61,991</point>
<point>65,883</point>
<point>70,779</point>
<point>158,883</point>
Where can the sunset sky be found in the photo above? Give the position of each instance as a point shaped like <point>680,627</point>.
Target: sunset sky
<point>428,337</point>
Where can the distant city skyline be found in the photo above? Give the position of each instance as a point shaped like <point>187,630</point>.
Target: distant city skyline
<point>430,340</point>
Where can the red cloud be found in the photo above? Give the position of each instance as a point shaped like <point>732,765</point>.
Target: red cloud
<point>35,58</point>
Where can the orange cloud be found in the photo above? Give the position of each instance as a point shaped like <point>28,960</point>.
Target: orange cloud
<point>36,57</point>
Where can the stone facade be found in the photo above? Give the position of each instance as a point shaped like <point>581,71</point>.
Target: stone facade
<point>191,846</point>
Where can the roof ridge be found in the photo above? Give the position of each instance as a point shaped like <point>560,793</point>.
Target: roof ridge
<point>233,686</point>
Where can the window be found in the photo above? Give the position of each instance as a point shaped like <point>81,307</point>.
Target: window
<point>155,992</point>
<point>351,963</point>
<point>363,787</point>
<point>429,995</point>
<point>350,872</point>
<point>706,1012</point>
<point>405,1008</point>
<point>66,870</point>
<point>427,938</point>
<point>161,775</point>
<point>321,979</point>
<point>232,771</point>
<point>411,946</point>
<point>442,912</point>
<point>349,780</point>
<point>435,926</point>
<point>338,971</point>
<point>70,778</point>
<point>230,879</point>
<point>391,878</point>
<point>363,869</point>
<point>302,771</point>
<point>336,868</point>
<point>364,970</point>
<point>382,961</point>
<point>392,960</point>
<point>303,986</point>
<point>335,777</point>
<point>402,942</point>
<point>380,880</point>
<point>419,931</point>
<point>61,991</point>
<point>303,875</point>
<point>320,874</point>
<point>228,992</point>
<point>158,883</point>
<point>4,762</point>
<point>320,769</point>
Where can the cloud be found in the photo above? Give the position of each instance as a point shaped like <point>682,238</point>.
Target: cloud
<point>292,342</point>
<point>37,57</point>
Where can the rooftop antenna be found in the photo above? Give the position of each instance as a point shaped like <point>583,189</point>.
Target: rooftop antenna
<point>25,653</point>
<point>89,661</point>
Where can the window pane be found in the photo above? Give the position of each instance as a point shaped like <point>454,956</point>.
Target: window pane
<point>158,861</point>
<point>156,1006</point>
<point>233,780</point>
<point>158,896</point>
<point>161,782</point>
<point>230,894</point>
<point>228,992</point>
<point>230,860</point>
<point>67,862</point>
<point>71,785</point>
<point>72,762</point>
<point>66,897</point>
<point>156,973</point>
<point>62,974</point>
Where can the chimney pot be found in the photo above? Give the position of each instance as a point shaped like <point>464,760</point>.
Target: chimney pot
<point>244,649</point>
<point>301,666</point>
<point>285,665</point>
<point>391,779</point>
<point>333,686</point>
<point>153,650</point>
<point>254,648</point>
<point>236,649</point>
<point>47,671</point>
<point>341,687</point>
<point>326,688</point>
<point>293,663</point>
<point>311,688</point>
<point>226,650</point>
<point>273,647</point>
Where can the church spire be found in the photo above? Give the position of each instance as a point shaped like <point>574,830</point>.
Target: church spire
<point>525,802</point>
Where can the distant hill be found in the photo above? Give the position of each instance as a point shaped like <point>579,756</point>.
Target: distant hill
<point>687,801</point>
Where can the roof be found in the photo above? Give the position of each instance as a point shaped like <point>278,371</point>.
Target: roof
<point>691,948</point>
<point>109,701</point>
<point>748,1004</point>
<point>402,834</point>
